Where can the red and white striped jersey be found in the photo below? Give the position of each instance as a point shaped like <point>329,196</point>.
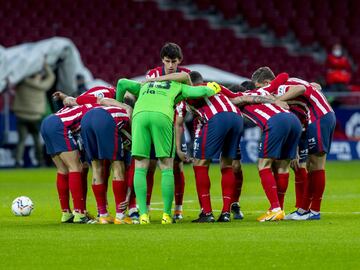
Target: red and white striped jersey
<point>312,100</point>
<point>71,116</point>
<point>180,110</point>
<point>206,108</point>
<point>120,116</point>
<point>262,112</point>
<point>122,120</point>
<point>97,92</point>
<point>160,71</point>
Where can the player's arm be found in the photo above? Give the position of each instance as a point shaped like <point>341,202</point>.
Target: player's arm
<point>275,83</point>
<point>124,85</point>
<point>181,77</point>
<point>248,99</point>
<point>115,103</point>
<point>67,100</point>
<point>179,130</point>
<point>293,92</point>
<point>200,91</point>
<point>229,93</point>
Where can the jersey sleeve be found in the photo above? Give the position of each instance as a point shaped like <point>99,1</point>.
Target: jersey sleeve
<point>152,73</point>
<point>180,109</point>
<point>227,92</point>
<point>91,96</point>
<point>196,91</point>
<point>124,85</point>
<point>279,80</point>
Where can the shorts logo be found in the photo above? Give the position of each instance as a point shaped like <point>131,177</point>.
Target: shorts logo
<point>281,90</point>
<point>196,147</point>
<point>312,143</point>
<point>70,136</point>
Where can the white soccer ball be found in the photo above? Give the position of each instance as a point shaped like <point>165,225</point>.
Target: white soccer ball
<point>22,206</point>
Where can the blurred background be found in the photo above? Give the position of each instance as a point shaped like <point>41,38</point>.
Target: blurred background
<point>48,45</point>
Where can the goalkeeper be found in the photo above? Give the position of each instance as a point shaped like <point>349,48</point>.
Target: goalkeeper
<point>153,123</point>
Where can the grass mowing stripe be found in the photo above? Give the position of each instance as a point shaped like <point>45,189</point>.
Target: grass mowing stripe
<point>40,242</point>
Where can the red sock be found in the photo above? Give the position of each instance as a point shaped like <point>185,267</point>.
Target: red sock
<point>100,197</point>
<point>106,172</point>
<point>120,191</point>
<point>269,185</point>
<point>84,181</point>
<point>228,185</point>
<point>300,180</point>
<point>308,193</point>
<point>317,183</point>
<point>179,186</point>
<point>62,184</point>
<point>238,185</point>
<point>203,187</point>
<point>75,185</point>
<point>129,175</point>
<point>150,184</point>
<point>282,182</point>
<point>132,200</point>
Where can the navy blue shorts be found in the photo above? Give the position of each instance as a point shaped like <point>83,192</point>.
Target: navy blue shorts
<point>56,136</point>
<point>303,147</point>
<point>281,137</point>
<point>221,134</point>
<point>101,136</point>
<point>320,134</point>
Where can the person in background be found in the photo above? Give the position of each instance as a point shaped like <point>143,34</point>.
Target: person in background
<point>29,107</point>
<point>81,85</point>
<point>338,74</point>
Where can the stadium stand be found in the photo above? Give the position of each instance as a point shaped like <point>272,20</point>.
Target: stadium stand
<point>319,22</point>
<point>115,42</point>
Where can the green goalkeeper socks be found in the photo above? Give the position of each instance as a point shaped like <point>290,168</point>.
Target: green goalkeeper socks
<point>141,189</point>
<point>167,189</point>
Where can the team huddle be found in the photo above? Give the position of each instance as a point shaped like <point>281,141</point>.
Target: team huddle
<point>136,126</point>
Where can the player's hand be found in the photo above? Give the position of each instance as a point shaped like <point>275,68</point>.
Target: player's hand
<point>58,95</point>
<point>69,101</point>
<point>150,79</point>
<point>295,164</point>
<point>214,86</point>
<point>183,157</point>
<point>282,104</point>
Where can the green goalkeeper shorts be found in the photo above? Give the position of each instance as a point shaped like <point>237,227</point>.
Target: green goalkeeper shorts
<point>152,128</point>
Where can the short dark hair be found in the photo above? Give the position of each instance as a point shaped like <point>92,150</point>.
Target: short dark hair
<point>171,50</point>
<point>248,85</point>
<point>262,74</point>
<point>196,77</point>
<point>236,88</point>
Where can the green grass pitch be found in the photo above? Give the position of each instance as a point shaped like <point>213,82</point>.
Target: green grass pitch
<point>41,242</point>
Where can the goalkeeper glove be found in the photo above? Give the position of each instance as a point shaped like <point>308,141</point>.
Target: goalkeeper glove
<point>214,86</point>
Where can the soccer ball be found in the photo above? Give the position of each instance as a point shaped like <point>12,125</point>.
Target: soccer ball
<point>22,206</point>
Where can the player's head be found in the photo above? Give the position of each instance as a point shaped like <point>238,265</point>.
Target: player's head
<point>171,56</point>
<point>236,88</point>
<point>196,77</point>
<point>262,76</point>
<point>248,85</point>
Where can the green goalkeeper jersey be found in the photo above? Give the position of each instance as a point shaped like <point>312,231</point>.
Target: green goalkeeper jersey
<point>159,96</point>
